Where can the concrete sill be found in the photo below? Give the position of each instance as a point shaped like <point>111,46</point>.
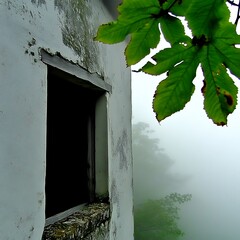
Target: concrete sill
<point>92,222</point>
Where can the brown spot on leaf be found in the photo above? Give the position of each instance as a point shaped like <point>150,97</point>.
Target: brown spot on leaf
<point>221,124</point>
<point>229,98</point>
<point>203,89</point>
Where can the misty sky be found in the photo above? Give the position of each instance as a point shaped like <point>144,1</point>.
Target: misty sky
<point>209,154</point>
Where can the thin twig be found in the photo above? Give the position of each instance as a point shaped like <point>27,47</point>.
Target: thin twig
<point>233,3</point>
<point>238,14</point>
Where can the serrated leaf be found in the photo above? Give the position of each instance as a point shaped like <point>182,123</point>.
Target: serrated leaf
<point>227,34</point>
<point>180,8</point>
<point>220,92</point>
<point>133,15</point>
<point>134,7</point>
<point>166,59</point>
<point>142,41</point>
<point>210,13</point>
<point>176,90</point>
<point>230,56</point>
<point>172,29</point>
<point>213,44</point>
<point>115,32</point>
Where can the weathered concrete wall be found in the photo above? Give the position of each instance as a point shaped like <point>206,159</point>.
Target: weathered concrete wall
<point>65,27</point>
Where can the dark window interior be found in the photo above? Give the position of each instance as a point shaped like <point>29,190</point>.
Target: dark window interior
<point>70,144</point>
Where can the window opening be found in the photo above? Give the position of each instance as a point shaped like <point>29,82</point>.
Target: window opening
<point>77,138</point>
<point>70,167</point>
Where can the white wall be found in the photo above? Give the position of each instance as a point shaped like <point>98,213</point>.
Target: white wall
<point>66,27</point>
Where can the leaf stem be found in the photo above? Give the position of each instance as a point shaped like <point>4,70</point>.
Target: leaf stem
<point>164,11</point>
<point>171,5</point>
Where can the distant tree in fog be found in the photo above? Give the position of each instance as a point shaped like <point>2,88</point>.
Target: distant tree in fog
<point>156,207</point>
<point>158,219</point>
<point>152,176</point>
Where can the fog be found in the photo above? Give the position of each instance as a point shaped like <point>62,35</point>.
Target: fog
<point>204,160</point>
<point>206,156</point>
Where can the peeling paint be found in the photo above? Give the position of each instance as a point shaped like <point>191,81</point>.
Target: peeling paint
<point>31,232</point>
<point>78,31</point>
<point>29,49</point>
<point>32,42</point>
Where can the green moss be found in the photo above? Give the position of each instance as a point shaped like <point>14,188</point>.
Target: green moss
<point>89,223</point>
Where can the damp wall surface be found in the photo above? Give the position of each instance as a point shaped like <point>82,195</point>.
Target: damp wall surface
<point>66,29</point>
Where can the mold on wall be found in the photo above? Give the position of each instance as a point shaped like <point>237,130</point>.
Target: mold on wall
<point>30,50</point>
<point>78,31</point>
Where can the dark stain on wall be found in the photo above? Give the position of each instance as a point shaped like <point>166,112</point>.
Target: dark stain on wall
<point>78,31</point>
<point>115,196</point>
<point>121,150</point>
<point>115,202</point>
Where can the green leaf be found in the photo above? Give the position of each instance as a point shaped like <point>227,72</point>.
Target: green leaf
<point>142,41</point>
<point>166,59</point>
<point>176,90</point>
<point>115,32</point>
<point>220,93</point>
<point>204,16</point>
<point>172,29</point>
<point>180,8</point>
<point>213,45</point>
<point>227,34</point>
<point>224,42</point>
<point>133,15</point>
<point>230,56</point>
<point>130,8</point>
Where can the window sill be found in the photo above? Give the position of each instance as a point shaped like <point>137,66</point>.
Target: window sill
<point>91,222</point>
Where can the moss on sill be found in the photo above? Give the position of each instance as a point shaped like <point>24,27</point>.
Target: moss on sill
<point>92,222</point>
